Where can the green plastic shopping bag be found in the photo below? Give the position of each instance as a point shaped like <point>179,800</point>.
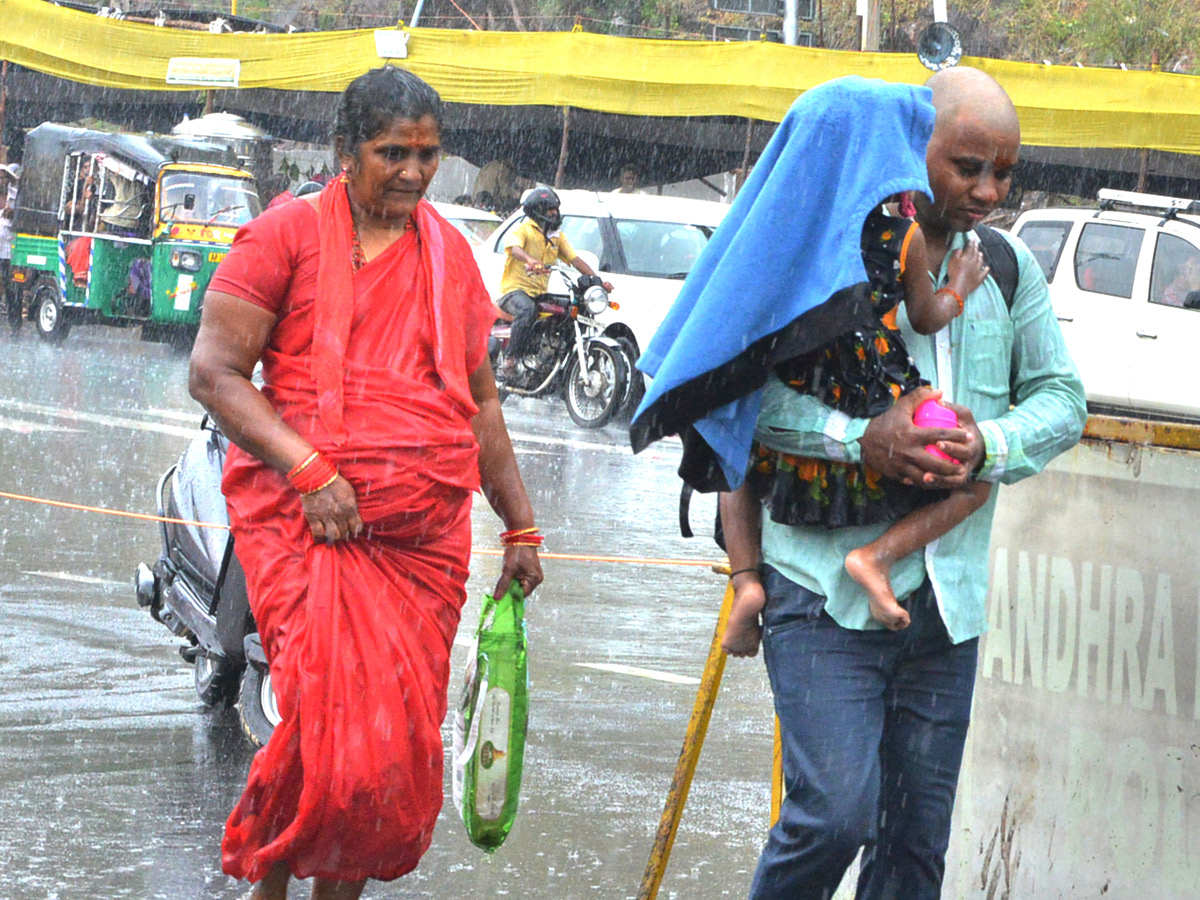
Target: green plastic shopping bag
<point>489,727</point>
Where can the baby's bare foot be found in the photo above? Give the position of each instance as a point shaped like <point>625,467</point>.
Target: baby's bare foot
<point>865,568</point>
<point>742,631</point>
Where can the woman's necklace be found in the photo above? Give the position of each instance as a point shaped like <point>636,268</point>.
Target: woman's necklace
<point>358,256</point>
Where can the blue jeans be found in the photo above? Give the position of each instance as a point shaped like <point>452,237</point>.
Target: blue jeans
<point>873,725</point>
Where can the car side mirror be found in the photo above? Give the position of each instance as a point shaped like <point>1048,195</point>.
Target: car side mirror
<point>1192,300</point>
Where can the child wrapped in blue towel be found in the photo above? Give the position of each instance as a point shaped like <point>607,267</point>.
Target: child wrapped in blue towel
<point>861,373</point>
<point>804,277</point>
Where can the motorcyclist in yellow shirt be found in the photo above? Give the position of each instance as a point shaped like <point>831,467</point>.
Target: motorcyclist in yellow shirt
<point>531,249</point>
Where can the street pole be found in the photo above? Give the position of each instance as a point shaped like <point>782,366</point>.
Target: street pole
<point>689,755</point>
<point>3,104</point>
<point>744,169</point>
<point>564,151</point>
<point>790,18</point>
<point>870,16</point>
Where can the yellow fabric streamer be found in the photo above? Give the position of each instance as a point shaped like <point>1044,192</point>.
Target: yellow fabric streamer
<point>1059,106</point>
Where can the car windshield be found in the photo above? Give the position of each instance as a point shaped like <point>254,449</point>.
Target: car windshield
<point>474,230</point>
<point>661,249</point>
<point>206,199</point>
<point>1045,240</point>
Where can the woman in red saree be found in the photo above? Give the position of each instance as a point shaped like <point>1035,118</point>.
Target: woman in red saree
<point>349,492</point>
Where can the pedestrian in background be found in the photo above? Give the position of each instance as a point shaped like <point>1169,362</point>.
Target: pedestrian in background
<point>629,180</point>
<point>10,175</point>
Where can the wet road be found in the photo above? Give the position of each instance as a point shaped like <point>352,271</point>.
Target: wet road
<point>117,780</point>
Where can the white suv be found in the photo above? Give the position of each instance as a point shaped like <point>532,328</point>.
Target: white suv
<point>645,244</point>
<point>1125,283</point>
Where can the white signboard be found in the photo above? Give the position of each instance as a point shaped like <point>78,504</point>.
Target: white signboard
<point>211,72</point>
<point>391,43</point>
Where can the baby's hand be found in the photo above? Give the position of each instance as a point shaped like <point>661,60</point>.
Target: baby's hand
<point>966,269</point>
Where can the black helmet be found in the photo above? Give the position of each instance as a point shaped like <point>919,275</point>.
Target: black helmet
<point>537,205</point>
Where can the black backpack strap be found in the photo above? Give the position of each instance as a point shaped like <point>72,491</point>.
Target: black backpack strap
<point>1005,270</point>
<point>1001,258</point>
<point>685,505</point>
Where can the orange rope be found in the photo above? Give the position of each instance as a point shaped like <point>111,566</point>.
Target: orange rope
<point>576,557</point>
<point>467,17</point>
<point>110,512</point>
<point>640,560</point>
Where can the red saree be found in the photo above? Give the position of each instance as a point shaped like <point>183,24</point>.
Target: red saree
<point>371,367</point>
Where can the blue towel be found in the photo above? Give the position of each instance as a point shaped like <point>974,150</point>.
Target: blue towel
<point>783,274</point>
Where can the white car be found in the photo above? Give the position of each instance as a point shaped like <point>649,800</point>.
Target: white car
<point>475,224</point>
<point>1125,283</point>
<point>645,244</point>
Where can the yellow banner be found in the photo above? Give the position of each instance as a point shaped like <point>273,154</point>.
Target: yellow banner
<point>1059,105</point>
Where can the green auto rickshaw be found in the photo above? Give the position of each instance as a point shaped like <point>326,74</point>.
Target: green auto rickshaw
<point>123,229</point>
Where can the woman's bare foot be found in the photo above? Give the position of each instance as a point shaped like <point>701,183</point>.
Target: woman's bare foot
<point>742,631</point>
<point>869,571</point>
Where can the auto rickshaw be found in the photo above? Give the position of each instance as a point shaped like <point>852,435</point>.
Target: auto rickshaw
<point>123,229</point>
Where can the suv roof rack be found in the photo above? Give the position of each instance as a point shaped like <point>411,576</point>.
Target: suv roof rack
<point>1171,205</point>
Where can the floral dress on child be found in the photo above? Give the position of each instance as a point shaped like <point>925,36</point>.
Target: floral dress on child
<point>861,374</point>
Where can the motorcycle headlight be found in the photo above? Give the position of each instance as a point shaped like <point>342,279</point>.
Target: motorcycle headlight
<point>595,300</point>
<point>186,260</point>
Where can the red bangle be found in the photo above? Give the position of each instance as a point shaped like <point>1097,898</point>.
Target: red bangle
<point>955,294</point>
<point>312,475</point>
<point>522,537</point>
<point>303,464</point>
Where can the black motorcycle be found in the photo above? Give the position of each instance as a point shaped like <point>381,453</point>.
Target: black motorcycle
<point>573,356</point>
<point>197,589</point>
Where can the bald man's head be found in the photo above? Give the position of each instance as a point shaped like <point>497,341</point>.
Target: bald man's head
<point>975,144</point>
<point>965,90</point>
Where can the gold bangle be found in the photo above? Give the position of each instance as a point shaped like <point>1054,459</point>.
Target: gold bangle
<point>517,532</point>
<point>322,487</point>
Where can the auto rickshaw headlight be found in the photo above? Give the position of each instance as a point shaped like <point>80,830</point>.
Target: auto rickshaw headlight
<point>187,260</point>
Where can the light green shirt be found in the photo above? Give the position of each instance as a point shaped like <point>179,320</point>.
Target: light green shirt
<point>971,362</point>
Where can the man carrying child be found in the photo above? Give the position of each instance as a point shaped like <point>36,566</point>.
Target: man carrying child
<point>874,721</point>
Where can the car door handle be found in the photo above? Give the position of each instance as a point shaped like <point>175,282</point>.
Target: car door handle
<point>1066,318</point>
<point>1146,334</point>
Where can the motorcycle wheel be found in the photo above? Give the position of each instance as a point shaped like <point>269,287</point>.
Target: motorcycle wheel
<point>256,706</point>
<point>635,384</point>
<point>217,680</point>
<point>48,313</point>
<point>594,396</point>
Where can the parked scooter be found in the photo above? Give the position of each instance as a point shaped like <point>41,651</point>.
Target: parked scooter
<point>572,356</point>
<point>197,588</point>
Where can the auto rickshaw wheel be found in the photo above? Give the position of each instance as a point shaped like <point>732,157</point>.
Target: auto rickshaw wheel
<point>48,314</point>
